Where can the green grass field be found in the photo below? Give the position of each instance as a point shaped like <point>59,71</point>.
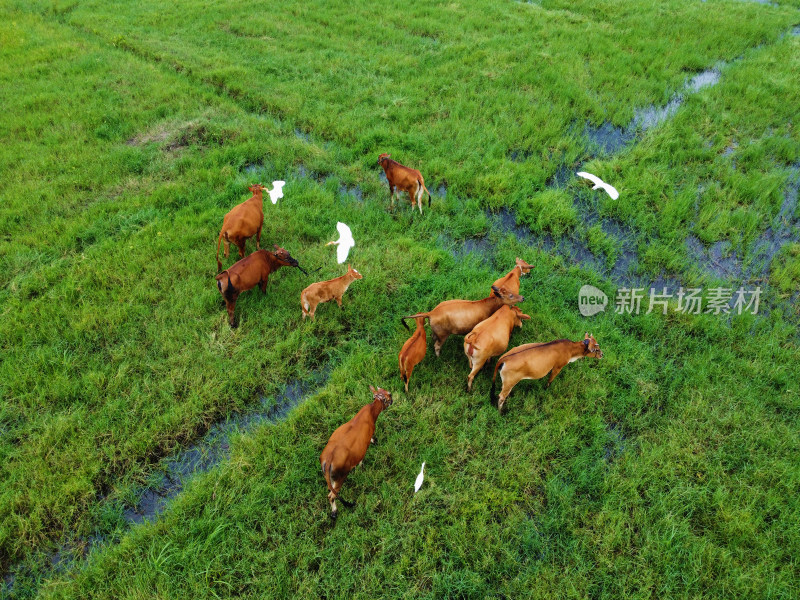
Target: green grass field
<point>667,469</point>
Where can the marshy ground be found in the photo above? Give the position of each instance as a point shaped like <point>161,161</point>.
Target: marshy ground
<point>148,450</point>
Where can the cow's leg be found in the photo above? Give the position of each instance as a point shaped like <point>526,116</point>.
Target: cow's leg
<point>508,385</point>
<point>339,301</point>
<point>226,243</point>
<point>408,377</point>
<point>553,373</point>
<point>391,197</point>
<point>337,485</point>
<point>312,311</point>
<point>419,197</point>
<point>263,286</point>
<point>332,500</point>
<point>258,237</point>
<point>478,365</point>
<point>439,340</point>
<point>411,198</point>
<point>240,243</point>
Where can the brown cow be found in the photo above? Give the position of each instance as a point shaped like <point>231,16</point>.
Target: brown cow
<point>534,361</point>
<point>249,272</point>
<point>413,351</point>
<point>458,317</point>
<point>511,280</point>
<point>348,445</point>
<point>322,291</point>
<point>403,179</point>
<point>242,222</point>
<point>490,338</point>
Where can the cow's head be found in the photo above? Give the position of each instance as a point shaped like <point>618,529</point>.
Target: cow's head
<point>381,394</point>
<point>257,188</point>
<point>592,347</point>
<point>519,316</point>
<point>524,267</point>
<point>353,273</point>
<point>285,259</point>
<point>505,296</point>
<point>383,157</point>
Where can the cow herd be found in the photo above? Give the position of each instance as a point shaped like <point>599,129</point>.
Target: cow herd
<point>487,324</point>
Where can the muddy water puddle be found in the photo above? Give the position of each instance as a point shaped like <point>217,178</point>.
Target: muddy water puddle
<point>214,446</point>
<point>608,138</point>
<point>176,472</point>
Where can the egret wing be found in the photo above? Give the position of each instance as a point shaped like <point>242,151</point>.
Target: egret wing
<point>420,479</point>
<point>594,179</point>
<point>342,250</point>
<point>612,191</point>
<point>276,191</point>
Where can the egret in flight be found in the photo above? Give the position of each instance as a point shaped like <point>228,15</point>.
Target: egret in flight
<point>276,191</point>
<point>420,479</point>
<point>345,242</point>
<point>599,184</point>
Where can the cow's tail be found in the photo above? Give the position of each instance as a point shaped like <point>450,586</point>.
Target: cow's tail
<point>469,342</point>
<point>492,397</point>
<point>326,473</point>
<point>422,183</point>
<point>219,241</point>
<point>230,290</point>
<point>403,319</point>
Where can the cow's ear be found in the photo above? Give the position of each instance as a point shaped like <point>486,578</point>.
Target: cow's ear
<point>372,389</point>
<point>276,246</point>
<point>525,317</point>
<point>496,291</point>
<point>586,336</point>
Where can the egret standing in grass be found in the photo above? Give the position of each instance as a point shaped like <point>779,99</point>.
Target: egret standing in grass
<point>345,242</point>
<point>420,479</point>
<point>276,191</point>
<point>599,184</point>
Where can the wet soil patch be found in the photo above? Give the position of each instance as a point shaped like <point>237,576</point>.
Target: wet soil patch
<point>617,441</point>
<point>214,447</point>
<point>785,228</point>
<point>518,155</point>
<point>178,469</point>
<point>607,138</point>
<point>302,135</point>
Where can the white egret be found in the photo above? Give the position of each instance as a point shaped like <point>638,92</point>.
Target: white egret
<point>599,184</point>
<point>276,191</point>
<point>420,478</point>
<point>344,243</point>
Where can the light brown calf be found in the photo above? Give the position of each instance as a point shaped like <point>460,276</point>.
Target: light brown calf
<point>348,445</point>
<point>403,179</point>
<point>323,291</point>
<point>490,338</point>
<point>243,221</point>
<point>250,272</point>
<point>534,361</point>
<point>458,317</point>
<point>413,351</point>
<point>511,280</point>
